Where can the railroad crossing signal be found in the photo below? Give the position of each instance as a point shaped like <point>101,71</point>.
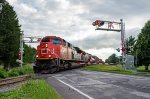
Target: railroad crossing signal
<point>108,25</point>
<point>31,39</point>
<point>124,49</point>
<point>19,55</point>
<point>98,22</point>
<point>114,26</point>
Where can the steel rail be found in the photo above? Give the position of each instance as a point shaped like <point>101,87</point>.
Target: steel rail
<point>13,80</point>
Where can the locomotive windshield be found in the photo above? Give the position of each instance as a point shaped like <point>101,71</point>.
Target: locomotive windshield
<point>56,41</point>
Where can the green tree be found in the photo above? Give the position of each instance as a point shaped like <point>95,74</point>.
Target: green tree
<point>9,35</point>
<point>29,54</point>
<point>106,61</point>
<point>112,59</point>
<point>130,43</point>
<point>142,46</point>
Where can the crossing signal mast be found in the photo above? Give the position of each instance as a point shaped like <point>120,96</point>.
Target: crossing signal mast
<point>26,39</point>
<point>114,26</point>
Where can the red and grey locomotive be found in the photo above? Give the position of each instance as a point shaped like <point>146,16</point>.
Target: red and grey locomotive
<point>54,53</point>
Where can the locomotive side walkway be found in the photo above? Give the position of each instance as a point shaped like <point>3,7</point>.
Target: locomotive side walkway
<point>82,84</point>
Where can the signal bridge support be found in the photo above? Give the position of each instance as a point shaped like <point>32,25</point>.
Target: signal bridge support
<point>31,39</point>
<point>114,26</point>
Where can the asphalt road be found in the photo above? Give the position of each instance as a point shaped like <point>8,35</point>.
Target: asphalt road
<point>82,84</point>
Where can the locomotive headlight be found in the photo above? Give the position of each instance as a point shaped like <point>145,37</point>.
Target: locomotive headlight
<point>49,55</point>
<point>46,45</point>
<point>37,56</point>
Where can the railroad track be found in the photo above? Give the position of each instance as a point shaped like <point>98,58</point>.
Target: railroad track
<point>13,80</point>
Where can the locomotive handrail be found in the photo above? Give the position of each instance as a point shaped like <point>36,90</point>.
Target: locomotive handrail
<point>58,59</point>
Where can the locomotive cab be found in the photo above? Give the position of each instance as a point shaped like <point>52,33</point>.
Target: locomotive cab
<point>48,53</point>
<point>49,48</point>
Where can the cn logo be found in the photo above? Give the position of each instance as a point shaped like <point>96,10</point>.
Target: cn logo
<point>52,51</point>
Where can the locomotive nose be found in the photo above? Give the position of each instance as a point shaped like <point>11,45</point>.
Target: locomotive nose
<point>48,50</point>
<point>43,51</point>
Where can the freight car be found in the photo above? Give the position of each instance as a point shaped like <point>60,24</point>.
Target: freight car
<point>55,53</point>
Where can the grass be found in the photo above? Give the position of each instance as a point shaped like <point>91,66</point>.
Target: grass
<point>142,72</point>
<point>33,89</point>
<point>118,69</point>
<point>26,69</point>
<point>109,68</point>
<point>142,69</point>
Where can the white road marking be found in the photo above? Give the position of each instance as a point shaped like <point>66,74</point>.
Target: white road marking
<point>76,89</point>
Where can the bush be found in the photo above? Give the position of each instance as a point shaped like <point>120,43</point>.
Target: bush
<point>26,69</point>
<point>13,72</point>
<point>3,73</point>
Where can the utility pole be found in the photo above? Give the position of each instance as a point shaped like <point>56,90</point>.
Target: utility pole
<point>1,7</point>
<point>110,26</point>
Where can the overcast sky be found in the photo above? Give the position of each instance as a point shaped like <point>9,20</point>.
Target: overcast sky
<point>72,20</point>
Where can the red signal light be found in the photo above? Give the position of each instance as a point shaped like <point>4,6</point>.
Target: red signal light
<point>19,55</point>
<point>124,49</point>
<point>97,22</point>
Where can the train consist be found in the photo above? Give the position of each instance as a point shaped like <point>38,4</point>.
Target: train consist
<point>55,53</point>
